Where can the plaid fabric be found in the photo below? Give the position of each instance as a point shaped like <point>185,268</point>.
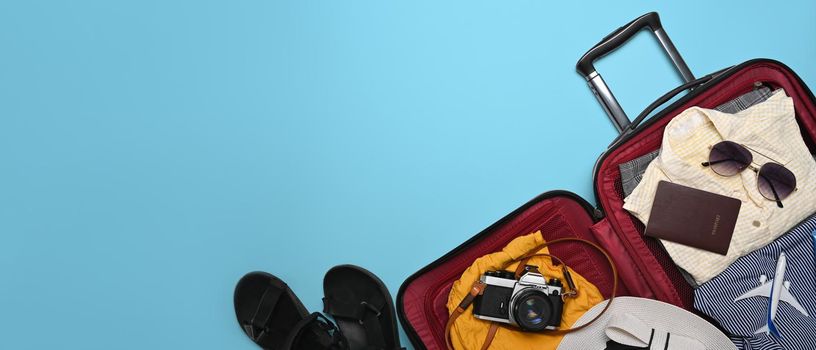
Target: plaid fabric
<point>747,100</point>
<point>632,171</point>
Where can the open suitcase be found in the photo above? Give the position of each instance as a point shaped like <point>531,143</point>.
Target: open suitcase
<point>644,266</point>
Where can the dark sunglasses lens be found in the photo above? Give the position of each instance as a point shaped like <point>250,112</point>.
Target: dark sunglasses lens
<point>774,178</point>
<point>728,158</point>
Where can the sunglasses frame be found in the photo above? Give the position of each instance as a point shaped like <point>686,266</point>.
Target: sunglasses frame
<point>755,169</point>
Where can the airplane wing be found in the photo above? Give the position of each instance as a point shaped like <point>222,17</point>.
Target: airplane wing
<point>787,297</point>
<point>764,290</point>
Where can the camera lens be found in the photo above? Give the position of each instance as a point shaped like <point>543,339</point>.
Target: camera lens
<point>532,311</point>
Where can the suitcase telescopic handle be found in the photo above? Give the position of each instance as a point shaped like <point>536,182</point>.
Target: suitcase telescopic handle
<point>610,43</point>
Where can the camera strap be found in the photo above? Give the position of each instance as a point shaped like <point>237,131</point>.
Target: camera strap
<point>479,287</point>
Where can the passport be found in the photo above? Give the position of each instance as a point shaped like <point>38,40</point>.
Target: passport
<point>693,217</point>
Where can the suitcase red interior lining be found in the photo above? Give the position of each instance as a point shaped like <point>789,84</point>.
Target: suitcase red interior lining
<point>424,299</point>
<point>651,257</point>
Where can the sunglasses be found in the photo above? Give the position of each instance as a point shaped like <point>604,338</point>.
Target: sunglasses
<point>774,181</point>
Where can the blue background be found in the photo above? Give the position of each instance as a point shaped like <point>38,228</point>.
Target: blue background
<point>152,152</point>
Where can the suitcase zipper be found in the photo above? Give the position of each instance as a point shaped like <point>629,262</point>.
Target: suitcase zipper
<point>597,214</point>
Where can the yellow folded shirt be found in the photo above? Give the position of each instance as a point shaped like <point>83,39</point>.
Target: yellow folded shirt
<point>468,333</point>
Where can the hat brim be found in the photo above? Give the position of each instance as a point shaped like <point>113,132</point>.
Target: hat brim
<point>655,313</point>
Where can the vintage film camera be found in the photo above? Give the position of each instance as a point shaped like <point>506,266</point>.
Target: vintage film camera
<point>531,303</point>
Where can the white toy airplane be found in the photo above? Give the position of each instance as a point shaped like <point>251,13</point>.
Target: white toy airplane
<point>775,290</point>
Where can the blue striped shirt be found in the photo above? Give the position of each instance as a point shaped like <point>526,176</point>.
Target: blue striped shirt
<point>742,318</point>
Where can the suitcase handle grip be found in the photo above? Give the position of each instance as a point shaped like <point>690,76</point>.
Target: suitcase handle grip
<point>610,43</point>
<point>665,98</point>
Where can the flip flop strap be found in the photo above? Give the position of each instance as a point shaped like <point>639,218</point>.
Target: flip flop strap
<point>296,331</point>
<point>266,306</point>
<point>366,314</point>
<point>371,322</point>
<point>333,339</point>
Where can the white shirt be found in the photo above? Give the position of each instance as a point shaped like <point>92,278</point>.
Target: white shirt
<point>769,128</point>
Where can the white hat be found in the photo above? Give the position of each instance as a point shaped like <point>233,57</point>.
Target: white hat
<point>638,322</point>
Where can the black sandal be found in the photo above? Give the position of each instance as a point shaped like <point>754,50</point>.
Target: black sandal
<point>362,307</point>
<point>315,332</point>
<point>275,319</point>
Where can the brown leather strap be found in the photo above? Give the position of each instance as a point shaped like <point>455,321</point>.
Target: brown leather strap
<point>478,289</point>
<point>491,333</point>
